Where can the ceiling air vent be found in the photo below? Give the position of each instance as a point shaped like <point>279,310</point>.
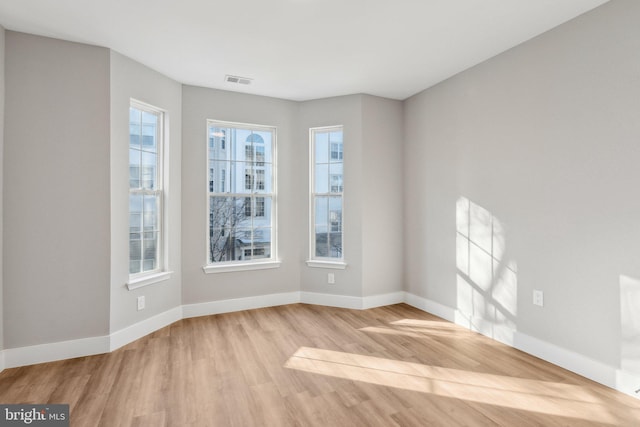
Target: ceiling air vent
<point>238,80</point>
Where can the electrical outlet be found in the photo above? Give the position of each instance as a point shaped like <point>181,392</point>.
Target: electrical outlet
<point>331,278</point>
<point>538,298</point>
<point>141,303</point>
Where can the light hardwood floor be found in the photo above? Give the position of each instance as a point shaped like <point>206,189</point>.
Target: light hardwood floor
<point>304,365</point>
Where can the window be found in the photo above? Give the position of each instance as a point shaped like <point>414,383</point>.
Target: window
<point>145,189</point>
<point>242,207</point>
<point>326,193</point>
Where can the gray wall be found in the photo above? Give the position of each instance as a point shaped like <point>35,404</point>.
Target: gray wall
<point>129,80</point>
<point>2,32</point>
<point>198,105</point>
<point>544,140</point>
<point>382,195</point>
<point>372,194</point>
<point>56,208</point>
<point>346,111</point>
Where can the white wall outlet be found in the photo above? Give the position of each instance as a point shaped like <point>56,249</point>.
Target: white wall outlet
<point>141,303</point>
<point>538,297</point>
<point>331,278</point>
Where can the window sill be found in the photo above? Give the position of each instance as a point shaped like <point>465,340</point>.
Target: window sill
<point>228,268</point>
<point>336,265</point>
<point>139,282</point>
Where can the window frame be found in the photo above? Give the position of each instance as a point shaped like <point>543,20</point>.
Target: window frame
<point>313,260</point>
<point>160,273</point>
<point>253,264</point>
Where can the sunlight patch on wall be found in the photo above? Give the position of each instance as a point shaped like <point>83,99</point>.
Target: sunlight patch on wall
<point>487,282</point>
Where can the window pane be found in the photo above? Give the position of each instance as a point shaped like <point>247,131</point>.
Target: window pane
<point>335,146</point>
<point>241,217</point>
<point>150,253</point>
<point>322,147</point>
<point>260,211</point>
<point>219,176</point>
<point>150,214</point>
<point>135,222</point>
<point>135,253</point>
<point>221,245</point>
<point>322,244</point>
<point>261,243</point>
<point>335,214</point>
<point>149,170</point>
<point>218,143</point>
<point>335,178</point>
<point>321,182</point>
<point>135,116</point>
<point>149,131</point>
<point>262,183</point>
<point>322,213</point>
<point>335,245</point>
<point>220,212</point>
<point>248,179</point>
<point>134,267</point>
<point>135,204</point>
<point>134,168</point>
<point>260,155</point>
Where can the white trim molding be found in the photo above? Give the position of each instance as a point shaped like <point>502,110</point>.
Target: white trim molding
<point>238,304</point>
<point>623,381</point>
<point>50,352</point>
<point>331,300</point>
<point>144,327</point>
<point>567,359</point>
<point>336,265</point>
<point>424,304</point>
<point>147,280</point>
<point>240,266</point>
<point>628,382</point>
<point>381,300</point>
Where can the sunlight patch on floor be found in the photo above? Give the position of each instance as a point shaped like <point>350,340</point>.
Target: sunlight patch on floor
<point>545,397</point>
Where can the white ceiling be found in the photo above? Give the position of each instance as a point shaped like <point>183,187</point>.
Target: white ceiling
<point>299,49</point>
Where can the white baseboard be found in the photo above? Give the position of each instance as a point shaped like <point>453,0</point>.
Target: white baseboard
<point>381,300</point>
<point>628,382</point>
<point>623,381</point>
<point>23,356</point>
<point>567,359</point>
<point>145,327</point>
<point>599,372</point>
<point>424,304</point>
<point>238,304</point>
<point>331,300</point>
<point>41,353</point>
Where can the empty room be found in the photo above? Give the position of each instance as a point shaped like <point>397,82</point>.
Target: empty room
<point>320,213</point>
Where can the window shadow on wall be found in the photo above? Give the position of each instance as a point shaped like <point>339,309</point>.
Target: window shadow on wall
<point>487,280</point>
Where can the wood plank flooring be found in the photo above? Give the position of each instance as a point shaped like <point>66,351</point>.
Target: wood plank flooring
<point>305,365</point>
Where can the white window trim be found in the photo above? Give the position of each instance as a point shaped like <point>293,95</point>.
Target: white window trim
<point>321,263</point>
<point>243,265</point>
<point>161,273</point>
<point>313,261</point>
<point>149,279</point>
<point>228,267</point>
